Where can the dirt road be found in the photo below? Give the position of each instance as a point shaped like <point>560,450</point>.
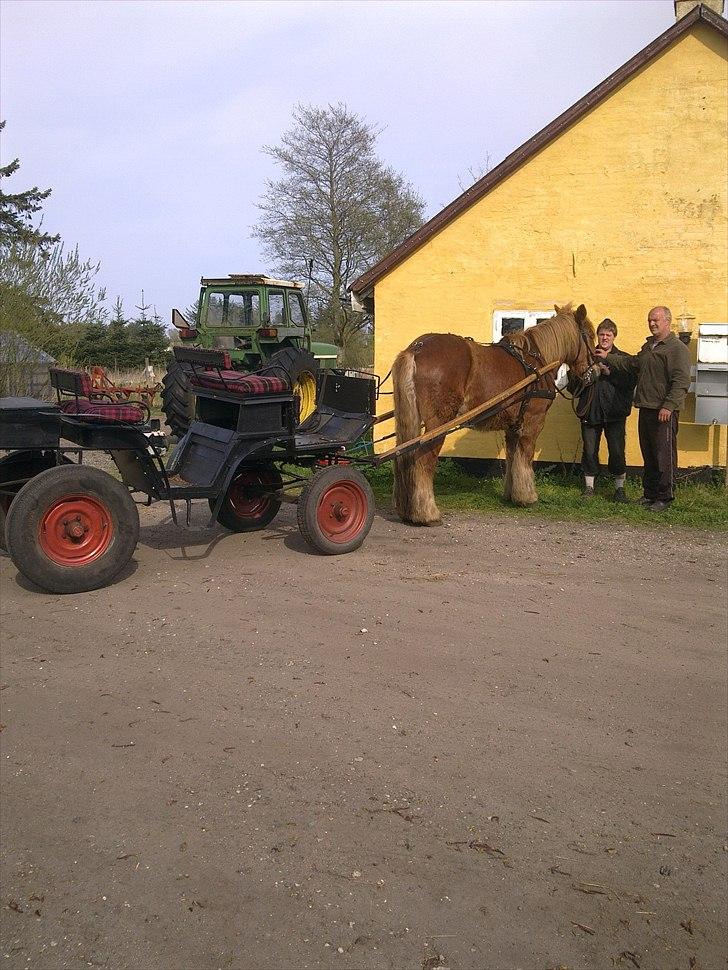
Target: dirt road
<point>495,744</point>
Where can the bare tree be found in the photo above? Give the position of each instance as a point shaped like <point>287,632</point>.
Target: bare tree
<point>337,204</point>
<point>475,173</point>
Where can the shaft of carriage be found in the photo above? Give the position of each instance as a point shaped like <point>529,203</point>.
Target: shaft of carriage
<point>492,405</point>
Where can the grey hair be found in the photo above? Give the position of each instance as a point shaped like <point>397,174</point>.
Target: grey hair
<point>666,311</point>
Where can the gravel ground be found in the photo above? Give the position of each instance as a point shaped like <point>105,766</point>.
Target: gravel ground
<point>497,744</point>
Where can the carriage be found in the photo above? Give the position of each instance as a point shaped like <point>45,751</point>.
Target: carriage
<point>70,526</point>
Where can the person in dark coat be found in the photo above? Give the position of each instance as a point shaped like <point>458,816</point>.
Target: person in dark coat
<point>662,369</point>
<point>603,408</point>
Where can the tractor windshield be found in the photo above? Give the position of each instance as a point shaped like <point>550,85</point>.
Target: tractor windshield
<point>225,309</point>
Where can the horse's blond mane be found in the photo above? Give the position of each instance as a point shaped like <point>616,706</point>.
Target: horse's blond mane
<point>557,338</point>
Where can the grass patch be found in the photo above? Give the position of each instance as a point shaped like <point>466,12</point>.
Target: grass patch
<point>702,506</point>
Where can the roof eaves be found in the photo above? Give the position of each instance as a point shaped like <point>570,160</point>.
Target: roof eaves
<point>366,281</point>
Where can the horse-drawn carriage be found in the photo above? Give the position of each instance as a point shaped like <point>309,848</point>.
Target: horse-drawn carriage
<point>69,526</point>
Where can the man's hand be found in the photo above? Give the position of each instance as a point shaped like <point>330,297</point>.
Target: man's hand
<point>600,352</point>
<point>664,415</point>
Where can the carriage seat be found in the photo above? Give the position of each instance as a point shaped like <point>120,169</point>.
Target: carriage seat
<point>234,382</point>
<point>213,370</point>
<point>76,395</point>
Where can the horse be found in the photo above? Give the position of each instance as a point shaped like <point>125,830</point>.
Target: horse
<point>441,375</point>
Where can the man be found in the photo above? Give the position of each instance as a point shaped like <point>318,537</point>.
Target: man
<point>663,376</point>
<point>604,407</point>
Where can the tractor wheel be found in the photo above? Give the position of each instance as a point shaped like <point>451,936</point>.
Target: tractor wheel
<point>178,403</point>
<point>20,467</point>
<point>71,529</point>
<point>299,367</point>
<point>335,510</point>
<point>249,504</point>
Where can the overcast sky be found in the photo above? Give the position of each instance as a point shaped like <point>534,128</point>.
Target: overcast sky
<point>147,118</point>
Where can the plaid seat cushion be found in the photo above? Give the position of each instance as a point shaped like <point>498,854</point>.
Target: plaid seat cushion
<point>128,413</point>
<point>237,383</point>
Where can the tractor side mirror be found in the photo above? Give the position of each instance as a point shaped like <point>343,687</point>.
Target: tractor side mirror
<point>178,321</point>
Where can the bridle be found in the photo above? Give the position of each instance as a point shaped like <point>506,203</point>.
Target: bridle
<point>587,382</point>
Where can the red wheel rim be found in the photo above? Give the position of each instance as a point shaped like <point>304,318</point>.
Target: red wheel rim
<point>244,495</point>
<point>76,530</point>
<point>342,511</point>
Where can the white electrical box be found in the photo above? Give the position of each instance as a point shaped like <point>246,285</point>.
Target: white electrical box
<point>711,374</point>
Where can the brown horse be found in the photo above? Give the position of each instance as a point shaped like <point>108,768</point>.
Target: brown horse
<point>441,375</point>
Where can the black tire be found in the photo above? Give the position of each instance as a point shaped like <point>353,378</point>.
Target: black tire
<point>72,528</point>
<point>21,466</point>
<point>300,368</point>
<point>248,505</point>
<point>335,510</point>
<point>178,402</point>
<point>290,363</point>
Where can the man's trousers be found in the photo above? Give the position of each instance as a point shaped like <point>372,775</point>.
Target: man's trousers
<point>591,436</point>
<point>658,443</point>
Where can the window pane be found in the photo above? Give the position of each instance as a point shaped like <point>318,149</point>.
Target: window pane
<point>236,311</point>
<point>511,324</point>
<point>243,310</point>
<point>214,310</point>
<point>295,308</point>
<point>277,314</point>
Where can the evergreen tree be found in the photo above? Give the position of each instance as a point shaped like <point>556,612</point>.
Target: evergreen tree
<point>18,209</point>
<point>116,351</point>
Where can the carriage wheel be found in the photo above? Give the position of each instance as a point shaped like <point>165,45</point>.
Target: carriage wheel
<point>19,467</point>
<point>250,503</point>
<point>335,510</point>
<point>71,529</point>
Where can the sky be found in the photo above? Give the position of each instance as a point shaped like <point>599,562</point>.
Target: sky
<point>147,117</point>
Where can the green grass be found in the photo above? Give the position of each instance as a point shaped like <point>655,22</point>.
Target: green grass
<point>702,506</point>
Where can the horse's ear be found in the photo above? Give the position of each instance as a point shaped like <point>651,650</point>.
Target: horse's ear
<point>557,308</point>
<point>580,314</point>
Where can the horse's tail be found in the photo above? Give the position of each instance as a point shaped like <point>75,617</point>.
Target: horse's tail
<point>408,423</point>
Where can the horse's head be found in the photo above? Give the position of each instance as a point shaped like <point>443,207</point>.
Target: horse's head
<point>580,356</point>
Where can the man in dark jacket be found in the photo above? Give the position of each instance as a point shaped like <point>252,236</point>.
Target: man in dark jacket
<point>663,376</point>
<point>604,407</point>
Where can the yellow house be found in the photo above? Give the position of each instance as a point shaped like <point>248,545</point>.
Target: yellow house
<point>620,203</point>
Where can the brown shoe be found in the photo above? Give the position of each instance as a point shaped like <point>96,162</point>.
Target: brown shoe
<point>588,492</point>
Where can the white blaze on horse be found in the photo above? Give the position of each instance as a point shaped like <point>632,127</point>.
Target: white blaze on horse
<point>440,376</point>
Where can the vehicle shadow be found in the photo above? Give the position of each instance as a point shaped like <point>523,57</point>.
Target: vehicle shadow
<point>124,574</point>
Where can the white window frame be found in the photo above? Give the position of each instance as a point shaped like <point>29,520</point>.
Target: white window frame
<point>530,319</point>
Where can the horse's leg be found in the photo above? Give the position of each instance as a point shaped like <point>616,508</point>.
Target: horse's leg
<point>523,482</point>
<point>511,442</point>
<point>423,507</point>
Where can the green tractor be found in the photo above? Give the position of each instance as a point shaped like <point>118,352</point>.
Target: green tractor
<point>261,323</point>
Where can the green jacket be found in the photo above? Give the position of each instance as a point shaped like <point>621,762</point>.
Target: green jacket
<point>663,373</point>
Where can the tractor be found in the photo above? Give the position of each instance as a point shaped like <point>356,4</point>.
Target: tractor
<point>263,325</point>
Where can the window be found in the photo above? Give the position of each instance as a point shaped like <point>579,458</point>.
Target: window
<point>276,308</point>
<point>295,309</point>
<point>233,310</point>
<point>507,321</point>
<point>243,310</point>
<point>214,310</point>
